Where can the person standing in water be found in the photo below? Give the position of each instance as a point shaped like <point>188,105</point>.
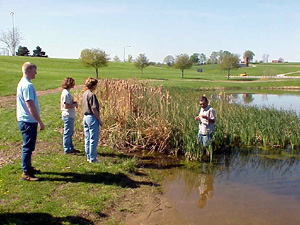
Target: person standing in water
<point>206,120</point>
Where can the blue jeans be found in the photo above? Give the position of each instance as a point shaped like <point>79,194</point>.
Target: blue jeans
<point>68,133</point>
<point>205,139</point>
<point>91,132</point>
<point>29,133</point>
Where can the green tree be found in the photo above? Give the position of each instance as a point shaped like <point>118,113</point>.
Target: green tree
<point>141,62</point>
<point>213,58</point>
<point>38,52</point>
<point>22,51</point>
<point>182,62</point>
<point>116,59</point>
<point>229,62</point>
<point>249,54</point>
<point>94,58</point>
<point>169,60</point>
<point>130,58</point>
<point>202,58</point>
<point>222,54</point>
<point>195,58</point>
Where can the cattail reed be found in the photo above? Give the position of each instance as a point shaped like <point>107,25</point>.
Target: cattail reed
<point>139,116</point>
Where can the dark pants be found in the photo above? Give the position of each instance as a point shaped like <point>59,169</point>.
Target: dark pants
<point>29,133</point>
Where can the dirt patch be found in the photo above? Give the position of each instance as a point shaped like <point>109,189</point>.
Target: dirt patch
<point>12,151</point>
<point>145,204</point>
<point>10,101</point>
<point>156,209</point>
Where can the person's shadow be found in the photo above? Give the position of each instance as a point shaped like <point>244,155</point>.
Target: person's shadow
<point>41,218</point>
<point>118,179</point>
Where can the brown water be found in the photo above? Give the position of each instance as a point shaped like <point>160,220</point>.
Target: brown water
<point>237,189</point>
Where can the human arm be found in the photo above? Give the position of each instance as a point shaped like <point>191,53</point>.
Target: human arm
<point>71,106</point>
<point>210,116</point>
<point>33,111</point>
<point>96,114</point>
<point>210,120</point>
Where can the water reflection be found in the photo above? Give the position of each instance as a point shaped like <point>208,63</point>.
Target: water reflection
<point>205,188</point>
<point>280,102</point>
<point>248,183</point>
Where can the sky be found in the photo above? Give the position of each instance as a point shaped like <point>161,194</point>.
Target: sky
<point>156,28</point>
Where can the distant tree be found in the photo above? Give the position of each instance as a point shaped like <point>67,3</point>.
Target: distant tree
<point>249,54</point>
<point>38,52</point>
<point>265,58</point>
<point>229,62</point>
<point>169,60</point>
<point>183,62</point>
<point>222,54</point>
<point>22,51</point>
<point>141,62</point>
<point>152,63</point>
<point>280,60</point>
<point>116,59</point>
<point>202,58</point>
<point>195,58</point>
<point>130,58</point>
<point>12,38</point>
<point>94,58</point>
<point>213,58</point>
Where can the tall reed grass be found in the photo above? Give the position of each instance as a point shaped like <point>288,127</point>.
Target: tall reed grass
<point>138,116</point>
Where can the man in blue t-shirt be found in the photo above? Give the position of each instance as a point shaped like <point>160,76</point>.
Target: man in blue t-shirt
<point>28,116</point>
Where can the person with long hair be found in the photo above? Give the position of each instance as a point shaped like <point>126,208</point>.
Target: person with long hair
<point>68,105</point>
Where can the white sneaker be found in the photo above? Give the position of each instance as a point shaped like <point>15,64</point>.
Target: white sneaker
<point>94,161</point>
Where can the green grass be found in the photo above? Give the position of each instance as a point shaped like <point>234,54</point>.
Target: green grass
<point>75,192</point>
<point>51,72</point>
<point>69,187</point>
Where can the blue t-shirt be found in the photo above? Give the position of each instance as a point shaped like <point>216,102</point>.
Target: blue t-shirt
<point>26,92</point>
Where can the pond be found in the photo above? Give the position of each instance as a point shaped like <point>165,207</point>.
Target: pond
<point>240,188</point>
<point>282,102</point>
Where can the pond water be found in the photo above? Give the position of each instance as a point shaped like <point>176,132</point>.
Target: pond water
<point>281,102</point>
<point>241,188</point>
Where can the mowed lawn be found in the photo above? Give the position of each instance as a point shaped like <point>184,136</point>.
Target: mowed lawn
<point>51,72</point>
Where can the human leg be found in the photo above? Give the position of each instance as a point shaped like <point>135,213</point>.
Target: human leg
<point>68,133</point>
<point>94,131</point>
<point>29,133</point>
<point>86,137</point>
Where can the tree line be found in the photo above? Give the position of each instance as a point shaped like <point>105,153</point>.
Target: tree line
<point>228,61</point>
<point>12,38</point>
<point>24,51</point>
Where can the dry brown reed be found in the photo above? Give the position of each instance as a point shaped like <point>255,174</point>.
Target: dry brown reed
<point>135,115</point>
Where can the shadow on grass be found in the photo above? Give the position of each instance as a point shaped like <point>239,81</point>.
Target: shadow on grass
<point>119,179</point>
<point>114,155</point>
<point>40,218</point>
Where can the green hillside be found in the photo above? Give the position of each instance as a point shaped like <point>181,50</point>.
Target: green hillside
<point>51,72</point>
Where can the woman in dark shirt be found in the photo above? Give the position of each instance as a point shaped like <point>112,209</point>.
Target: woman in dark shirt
<point>91,120</point>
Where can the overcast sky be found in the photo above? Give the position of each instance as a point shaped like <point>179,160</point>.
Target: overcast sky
<point>157,28</point>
